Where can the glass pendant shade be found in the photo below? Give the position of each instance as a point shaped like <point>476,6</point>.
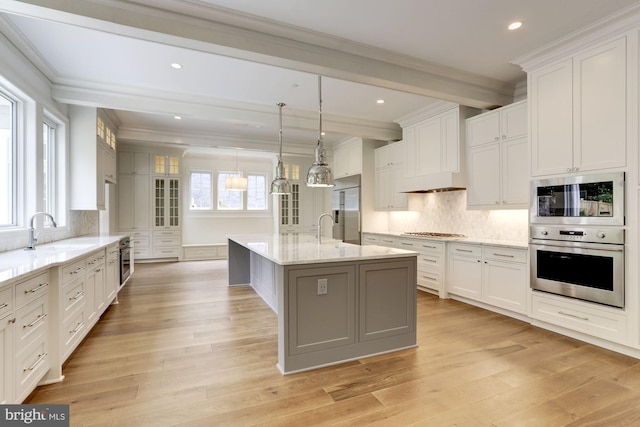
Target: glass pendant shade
<point>235,183</point>
<point>319,174</point>
<point>280,185</point>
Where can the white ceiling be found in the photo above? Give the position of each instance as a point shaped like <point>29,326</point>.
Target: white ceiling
<point>228,89</point>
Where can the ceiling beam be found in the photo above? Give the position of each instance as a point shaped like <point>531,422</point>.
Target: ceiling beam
<point>220,31</point>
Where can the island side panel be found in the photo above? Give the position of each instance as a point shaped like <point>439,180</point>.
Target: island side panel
<point>327,320</point>
<point>238,263</point>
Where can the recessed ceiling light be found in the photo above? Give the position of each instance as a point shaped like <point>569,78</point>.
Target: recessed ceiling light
<point>380,101</point>
<point>515,25</point>
<point>177,117</point>
<point>176,66</point>
<point>294,85</point>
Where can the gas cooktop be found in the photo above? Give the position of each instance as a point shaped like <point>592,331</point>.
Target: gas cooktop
<point>432,234</point>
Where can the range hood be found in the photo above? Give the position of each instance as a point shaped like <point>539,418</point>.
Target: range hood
<point>442,181</point>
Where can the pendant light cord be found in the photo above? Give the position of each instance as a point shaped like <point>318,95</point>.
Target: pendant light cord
<point>280,104</point>
<point>319,109</point>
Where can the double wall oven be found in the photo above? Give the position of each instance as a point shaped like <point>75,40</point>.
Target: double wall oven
<point>577,237</point>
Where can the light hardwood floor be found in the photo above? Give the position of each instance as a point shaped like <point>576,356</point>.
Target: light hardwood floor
<point>182,348</point>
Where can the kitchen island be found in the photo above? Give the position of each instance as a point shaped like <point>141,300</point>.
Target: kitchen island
<point>334,301</point>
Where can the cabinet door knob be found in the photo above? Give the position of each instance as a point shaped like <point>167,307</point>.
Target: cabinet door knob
<point>497,138</point>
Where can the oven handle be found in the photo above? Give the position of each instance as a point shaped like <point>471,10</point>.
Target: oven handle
<point>571,246</point>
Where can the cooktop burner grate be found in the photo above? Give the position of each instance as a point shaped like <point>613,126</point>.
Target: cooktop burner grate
<point>433,234</point>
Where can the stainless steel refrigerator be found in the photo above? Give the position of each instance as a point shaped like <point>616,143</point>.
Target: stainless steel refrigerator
<point>346,209</point>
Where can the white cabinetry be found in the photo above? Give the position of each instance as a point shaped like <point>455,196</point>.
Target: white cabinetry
<point>31,340</point>
<point>134,200</point>
<point>435,151</point>
<point>578,112</point>
<point>92,158</point>
<point>7,326</point>
<point>112,273</point>
<point>166,238</point>
<point>389,166</point>
<point>347,158</point>
<point>493,275</point>
<point>497,156</point>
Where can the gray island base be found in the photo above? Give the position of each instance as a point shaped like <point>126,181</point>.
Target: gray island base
<point>335,301</point>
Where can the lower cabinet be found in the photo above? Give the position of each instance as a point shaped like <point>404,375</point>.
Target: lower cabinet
<point>30,357</point>
<point>6,352</point>
<point>112,273</point>
<point>494,275</point>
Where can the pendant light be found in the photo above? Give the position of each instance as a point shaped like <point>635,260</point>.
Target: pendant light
<point>236,182</point>
<point>319,174</point>
<point>280,185</point>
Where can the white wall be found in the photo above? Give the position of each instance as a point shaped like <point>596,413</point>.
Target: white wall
<point>203,227</point>
<point>447,213</point>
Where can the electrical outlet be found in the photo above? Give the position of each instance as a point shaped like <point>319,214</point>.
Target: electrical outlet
<point>322,286</point>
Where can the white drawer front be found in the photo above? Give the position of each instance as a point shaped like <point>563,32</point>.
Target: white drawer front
<point>73,271</point>
<point>573,315</point>
<point>166,252</point>
<point>505,254</point>
<point>161,241</point>
<point>430,247</point>
<point>429,279</point>
<point>31,322</point>
<point>73,295</point>
<point>73,329</point>
<point>31,365</point>
<point>6,301</point>
<point>31,289</point>
<point>469,250</point>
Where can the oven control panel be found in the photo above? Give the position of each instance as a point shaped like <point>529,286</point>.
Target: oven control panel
<point>613,235</point>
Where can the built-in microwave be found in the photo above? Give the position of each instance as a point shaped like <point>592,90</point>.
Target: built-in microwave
<point>586,200</point>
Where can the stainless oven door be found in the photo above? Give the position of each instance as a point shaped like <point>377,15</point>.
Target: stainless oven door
<point>587,271</point>
<point>125,264</point>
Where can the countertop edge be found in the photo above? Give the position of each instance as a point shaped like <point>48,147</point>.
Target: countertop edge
<point>469,240</point>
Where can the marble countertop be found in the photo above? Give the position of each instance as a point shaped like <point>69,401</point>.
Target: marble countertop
<point>294,248</point>
<point>17,263</point>
<point>472,240</point>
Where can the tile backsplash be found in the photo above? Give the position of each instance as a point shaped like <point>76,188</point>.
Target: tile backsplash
<point>447,212</point>
<point>79,223</point>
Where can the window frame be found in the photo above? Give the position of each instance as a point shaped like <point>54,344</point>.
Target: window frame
<point>14,157</point>
<point>211,190</point>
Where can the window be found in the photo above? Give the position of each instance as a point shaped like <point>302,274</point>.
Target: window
<point>256,192</point>
<point>201,190</point>
<point>49,170</point>
<point>7,161</point>
<point>228,200</point>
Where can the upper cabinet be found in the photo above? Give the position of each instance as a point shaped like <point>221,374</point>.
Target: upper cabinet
<point>578,112</point>
<point>347,158</point>
<point>497,159</point>
<point>166,165</point>
<point>389,165</point>
<point>435,156</point>
<point>92,156</point>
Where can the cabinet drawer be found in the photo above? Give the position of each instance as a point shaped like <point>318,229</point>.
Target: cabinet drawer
<point>429,279</point>
<point>388,241</point>
<point>166,252</point>
<point>430,262</point>
<point>73,295</point>
<point>31,365</point>
<point>73,271</point>
<point>410,245</point>
<point>6,301</point>
<point>31,322</point>
<point>505,254</point>
<point>140,242</point>
<point>596,321</point>
<point>205,252</point>
<point>139,253</point>
<point>31,289</point>
<point>370,239</point>
<point>430,246</point>
<point>160,241</point>
<point>467,250</point>
<point>167,233</point>
<point>96,259</point>
<point>140,234</point>
<point>73,329</point>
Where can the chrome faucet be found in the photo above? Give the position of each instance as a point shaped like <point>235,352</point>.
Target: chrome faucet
<point>32,229</point>
<point>320,228</point>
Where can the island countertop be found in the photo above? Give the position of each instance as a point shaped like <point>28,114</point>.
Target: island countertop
<point>295,248</point>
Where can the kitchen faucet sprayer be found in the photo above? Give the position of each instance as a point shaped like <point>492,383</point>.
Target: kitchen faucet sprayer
<point>319,225</point>
<point>32,237</point>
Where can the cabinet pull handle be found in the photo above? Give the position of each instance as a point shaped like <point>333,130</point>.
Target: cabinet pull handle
<point>464,250</point>
<point>36,363</point>
<point>77,328</point>
<point>76,296</point>
<point>573,315</point>
<point>407,244</point>
<point>37,288</point>
<point>4,305</point>
<point>429,278</point>
<point>429,260</point>
<point>77,270</point>
<point>98,270</point>
<point>504,255</point>
<point>429,247</point>
<point>38,319</point>
<point>387,241</point>
<point>12,320</point>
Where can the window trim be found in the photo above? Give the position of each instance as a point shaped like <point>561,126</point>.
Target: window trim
<point>211,174</point>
